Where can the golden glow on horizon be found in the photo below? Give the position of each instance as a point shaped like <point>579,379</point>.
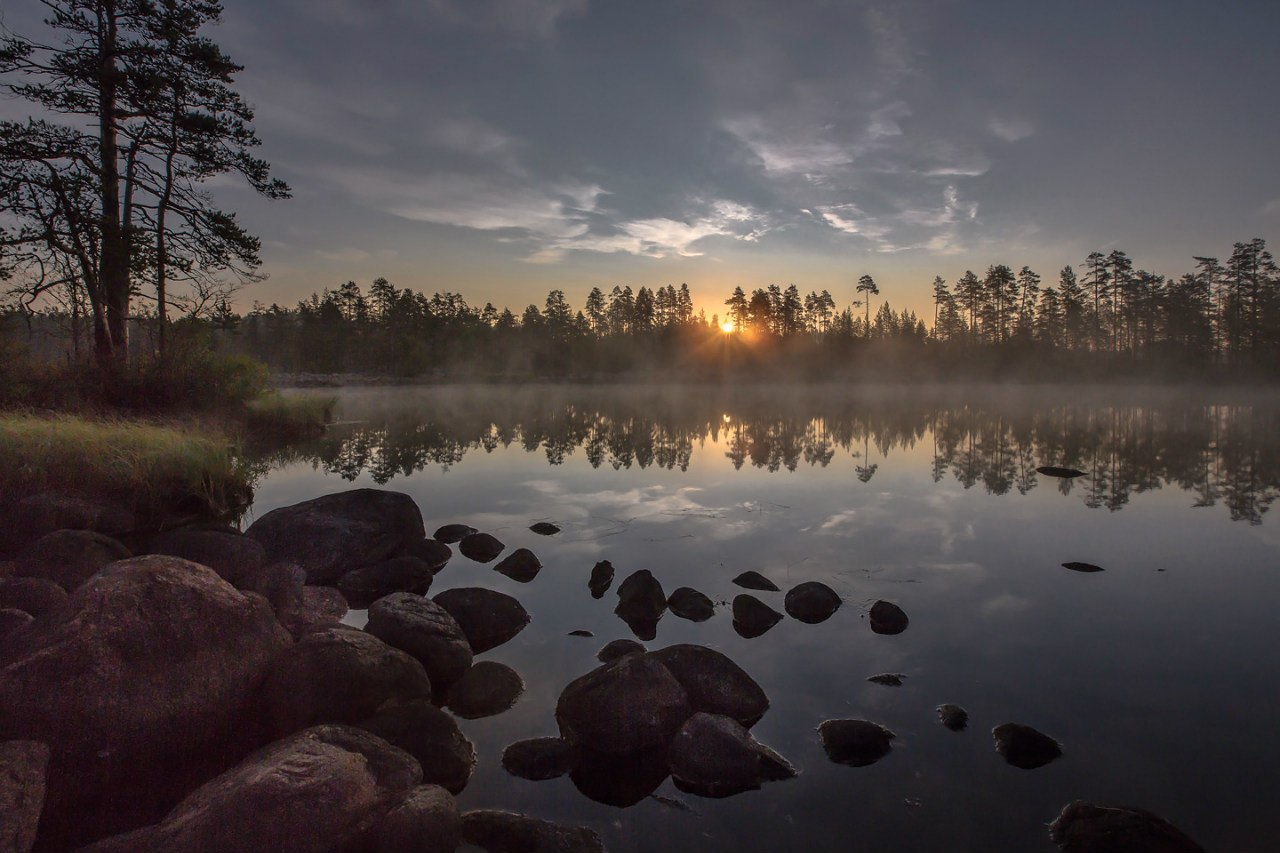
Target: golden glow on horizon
<point>726,327</point>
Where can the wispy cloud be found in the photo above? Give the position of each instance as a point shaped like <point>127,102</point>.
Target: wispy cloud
<point>529,17</point>
<point>1011,129</point>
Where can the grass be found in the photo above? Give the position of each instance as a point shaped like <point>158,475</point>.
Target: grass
<point>279,418</point>
<point>149,465</point>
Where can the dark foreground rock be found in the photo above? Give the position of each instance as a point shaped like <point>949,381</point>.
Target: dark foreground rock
<point>714,683</point>
<point>425,630</point>
<point>1024,747</point>
<point>488,618</point>
<point>1085,827</point>
<point>328,535</point>
<point>488,688</point>
<point>540,758</point>
<point>70,557</point>
<point>714,756</point>
<point>23,764</point>
<point>35,515</point>
<point>856,743</point>
<point>36,596</point>
<point>811,602</point>
<point>953,717</point>
<point>752,617</point>
<point>756,581</point>
<point>337,675</point>
<point>688,603</point>
<point>504,832</point>
<point>320,790</point>
<point>629,705</point>
<point>1082,567</point>
<point>888,618</point>
<point>365,585</point>
<point>521,565</point>
<point>231,555</point>
<point>601,578</point>
<point>480,547</point>
<point>617,648</point>
<point>452,533</point>
<point>641,603</point>
<point>544,528</point>
<point>426,821</point>
<point>1055,471</point>
<point>431,736</point>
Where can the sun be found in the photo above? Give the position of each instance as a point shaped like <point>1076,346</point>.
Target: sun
<point>726,327</point>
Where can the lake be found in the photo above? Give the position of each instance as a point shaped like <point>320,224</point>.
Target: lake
<point>1158,675</point>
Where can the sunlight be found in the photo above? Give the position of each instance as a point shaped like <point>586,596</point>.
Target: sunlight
<point>727,328</point>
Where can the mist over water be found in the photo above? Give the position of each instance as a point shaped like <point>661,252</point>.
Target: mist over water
<point>1155,674</point>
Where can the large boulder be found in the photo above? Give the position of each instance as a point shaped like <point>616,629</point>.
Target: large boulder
<point>70,557</point>
<point>36,596</point>
<point>282,584</point>
<point>1085,827</point>
<point>488,688</point>
<point>431,736</point>
<point>425,630</point>
<point>331,534</point>
<point>504,832</point>
<point>337,675</point>
<point>323,789</point>
<point>714,756</point>
<point>487,617</point>
<point>23,764</point>
<point>367,584</point>
<point>615,649</point>
<point>631,704</point>
<point>318,607</point>
<point>426,821</point>
<point>714,683</point>
<point>232,555</point>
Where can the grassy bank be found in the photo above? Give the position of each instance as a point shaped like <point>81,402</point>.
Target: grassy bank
<point>277,418</point>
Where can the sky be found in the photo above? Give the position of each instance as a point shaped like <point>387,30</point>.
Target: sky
<point>502,148</point>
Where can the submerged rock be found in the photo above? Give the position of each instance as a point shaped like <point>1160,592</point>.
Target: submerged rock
<point>1082,567</point>
<point>232,555</point>
<point>752,617</point>
<point>544,528</point>
<point>540,758</point>
<point>431,736</point>
<point>713,683</point>
<point>641,603</point>
<point>811,602</point>
<point>755,580</point>
<point>520,565</point>
<point>451,533</point>
<point>856,743</point>
<point>425,630</point>
<point>488,688</point>
<point>487,617</point>
<point>953,717</point>
<point>1055,471</point>
<point>601,578</point>
<point>70,557</point>
<point>688,603</point>
<point>480,547</point>
<point>620,780</point>
<point>366,585</point>
<point>23,764</point>
<point>433,552</point>
<point>714,756</point>
<point>1024,747</point>
<point>426,821</point>
<point>617,648</point>
<point>505,832</point>
<point>888,618</point>
<point>628,705</point>
<point>888,679</point>
<point>1085,827</point>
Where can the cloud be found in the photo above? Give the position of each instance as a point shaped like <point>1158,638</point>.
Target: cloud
<point>1271,207</point>
<point>661,237</point>
<point>527,17</point>
<point>933,227</point>
<point>1011,129</point>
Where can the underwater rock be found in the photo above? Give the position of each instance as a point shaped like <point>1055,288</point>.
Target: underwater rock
<point>688,603</point>
<point>361,587</point>
<point>617,648</point>
<point>714,756</point>
<point>714,683</point>
<point>453,533</point>
<point>755,580</point>
<point>1055,471</point>
<point>953,717</point>
<point>856,743</point>
<point>540,758</point>
<point>425,630</point>
<point>488,688</point>
<point>505,832</point>
<point>888,679</point>
<point>1085,827</point>
<point>431,736</point>
<point>628,705</point>
<point>752,617</point>
<point>544,528</point>
<point>520,565</point>
<point>601,578</point>
<point>811,602</point>
<point>1082,567</point>
<point>888,618</point>
<point>487,617</point>
<point>1024,747</point>
<point>480,547</point>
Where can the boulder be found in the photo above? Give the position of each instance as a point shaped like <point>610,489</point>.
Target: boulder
<point>714,756</point>
<point>714,683</point>
<point>426,821</point>
<point>856,743</point>
<point>35,515</point>
<point>425,630</point>
<point>752,617</point>
<point>601,578</point>
<point>337,675</point>
<point>887,618</point>
<point>688,603</point>
<point>1085,827</point>
<point>23,764</point>
<point>505,832</point>
<point>328,535</point>
<point>544,528</point>
<point>363,586</point>
<point>631,704</point>
<point>13,620</point>
<point>430,551</point>
<point>281,584</point>
<point>36,596</point>
<point>487,689</point>
<point>520,565</point>
<point>1055,471</point>
<point>451,533</point>
<point>1024,747</point>
<point>480,547</point>
<point>319,607</point>
<point>953,717</point>
<point>617,648</point>
<point>488,618</point>
<point>641,603</point>
<point>431,736</point>
<point>540,758</point>
<point>811,602</point>
<point>70,557</point>
<point>755,580</point>
<point>231,555</point>
<point>323,789</point>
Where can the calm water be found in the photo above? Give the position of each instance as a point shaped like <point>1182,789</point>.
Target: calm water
<point>1158,676</point>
